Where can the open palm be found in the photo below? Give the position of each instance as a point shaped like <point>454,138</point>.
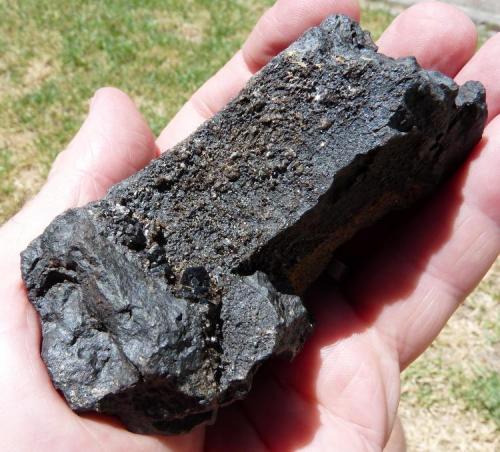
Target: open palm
<point>405,277</point>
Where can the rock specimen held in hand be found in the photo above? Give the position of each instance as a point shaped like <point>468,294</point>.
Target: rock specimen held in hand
<point>159,302</point>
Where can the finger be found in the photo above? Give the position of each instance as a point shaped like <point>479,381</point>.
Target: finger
<point>485,67</point>
<point>109,431</point>
<point>439,35</point>
<point>342,389</point>
<point>113,143</point>
<point>277,28</point>
<point>411,289</point>
<point>446,248</point>
<point>285,22</point>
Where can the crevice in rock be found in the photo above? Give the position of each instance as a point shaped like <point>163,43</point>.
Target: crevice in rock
<point>54,277</point>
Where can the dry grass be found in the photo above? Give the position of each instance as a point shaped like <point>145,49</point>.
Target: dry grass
<point>450,398</point>
<point>20,175</point>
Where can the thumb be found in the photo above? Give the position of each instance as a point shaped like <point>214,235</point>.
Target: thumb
<point>113,143</point>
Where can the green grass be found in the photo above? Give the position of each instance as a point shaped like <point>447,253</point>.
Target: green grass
<point>5,168</point>
<point>376,20</point>
<point>483,394</point>
<point>54,56</point>
<point>458,378</point>
<point>433,382</point>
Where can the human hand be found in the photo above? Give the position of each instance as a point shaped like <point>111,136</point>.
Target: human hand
<point>342,391</point>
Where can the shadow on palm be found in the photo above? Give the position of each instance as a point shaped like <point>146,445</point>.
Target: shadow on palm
<point>384,264</point>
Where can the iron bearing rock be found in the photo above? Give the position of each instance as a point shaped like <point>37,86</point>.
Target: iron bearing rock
<point>159,302</point>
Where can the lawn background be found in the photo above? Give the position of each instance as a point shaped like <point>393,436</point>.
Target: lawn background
<point>54,55</point>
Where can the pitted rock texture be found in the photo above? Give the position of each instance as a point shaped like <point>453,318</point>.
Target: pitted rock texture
<point>159,302</point>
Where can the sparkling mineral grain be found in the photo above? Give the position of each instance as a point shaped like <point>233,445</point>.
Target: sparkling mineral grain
<point>159,302</point>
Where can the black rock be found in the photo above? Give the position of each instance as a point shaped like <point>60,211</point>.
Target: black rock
<point>159,302</point>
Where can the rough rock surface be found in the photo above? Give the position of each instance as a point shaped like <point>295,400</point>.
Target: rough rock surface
<point>159,302</point>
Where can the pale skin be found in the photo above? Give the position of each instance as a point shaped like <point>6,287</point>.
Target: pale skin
<point>406,277</point>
